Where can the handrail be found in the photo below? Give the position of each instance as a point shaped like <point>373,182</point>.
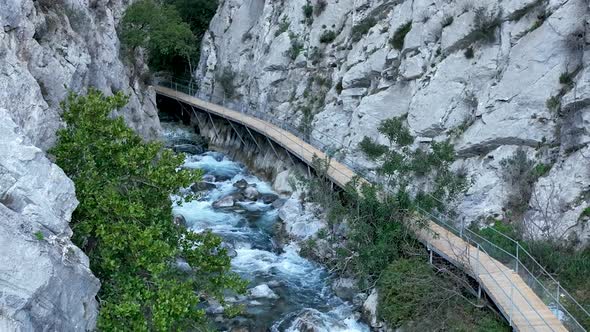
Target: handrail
<point>193,90</point>
<point>480,265</point>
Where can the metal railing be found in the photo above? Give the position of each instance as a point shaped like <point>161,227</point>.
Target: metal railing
<point>543,284</point>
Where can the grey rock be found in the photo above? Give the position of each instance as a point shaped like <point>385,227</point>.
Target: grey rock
<point>45,54</point>
<point>208,178</point>
<point>268,198</point>
<point>281,183</point>
<point>487,105</point>
<point>46,283</point>
<point>227,201</point>
<point>345,288</point>
<point>241,184</point>
<point>188,148</point>
<point>277,204</point>
<point>230,248</point>
<point>262,291</point>
<point>180,221</point>
<point>300,222</point>
<point>202,186</point>
<point>251,193</point>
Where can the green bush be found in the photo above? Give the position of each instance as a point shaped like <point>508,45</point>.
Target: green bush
<point>395,131</point>
<point>405,290</point>
<point>320,6</point>
<point>39,235</point>
<point>283,26</point>
<point>362,28</point>
<point>485,25</point>
<point>197,13</point>
<point>308,13</point>
<point>327,36</point>
<point>397,41</point>
<point>553,103</point>
<point>371,149</point>
<point>296,47</point>
<point>566,78</point>
<point>124,222</point>
<point>518,171</point>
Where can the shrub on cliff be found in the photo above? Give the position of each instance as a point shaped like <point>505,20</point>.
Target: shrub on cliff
<point>124,222</point>
<point>161,31</point>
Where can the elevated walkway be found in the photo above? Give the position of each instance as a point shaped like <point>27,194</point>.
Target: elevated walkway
<point>527,299</point>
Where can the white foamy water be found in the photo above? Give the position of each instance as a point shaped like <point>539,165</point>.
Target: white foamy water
<point>302,295</point>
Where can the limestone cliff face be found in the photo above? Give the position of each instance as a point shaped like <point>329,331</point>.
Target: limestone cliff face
<point>47,48</point>
<point>484,73</point>
<point>45,281</point>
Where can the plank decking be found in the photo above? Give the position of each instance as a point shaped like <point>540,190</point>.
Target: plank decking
<point>517,301</point>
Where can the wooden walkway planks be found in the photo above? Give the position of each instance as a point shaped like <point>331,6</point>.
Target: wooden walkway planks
<point>516,300</point>
<point>529,312</point>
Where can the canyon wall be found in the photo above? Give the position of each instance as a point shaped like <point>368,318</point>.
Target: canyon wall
<point>48,48</point>
<point>494,77</point>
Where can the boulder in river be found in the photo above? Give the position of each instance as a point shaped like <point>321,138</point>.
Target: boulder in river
<point>188,148</point>
<point>281,183</point>
<point>251,193</point>
<point>345,288</point>
<point>202,186</point>
<point>227,201</point>
<point>277,204</point>
<point>179,220</point>
<point>231,251</point>
<point>263,291</point>
<point>241,184</point>
<point>370,309</point>
<point>268,198</point>
<point>208,178</point>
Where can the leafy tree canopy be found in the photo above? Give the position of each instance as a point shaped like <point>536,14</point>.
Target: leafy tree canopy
<point>124,225</point>
<point>160,29</point>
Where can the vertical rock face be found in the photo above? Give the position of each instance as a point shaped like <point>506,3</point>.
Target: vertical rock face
<point>50,47</point>
<point>491,76</point>
<point>47,48</point>
<point>45,281</point>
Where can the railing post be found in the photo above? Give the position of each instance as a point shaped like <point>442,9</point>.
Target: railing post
<point>558,293</point>
<point>511,304</point>
<point>517,259</point>
<point>477,262</point>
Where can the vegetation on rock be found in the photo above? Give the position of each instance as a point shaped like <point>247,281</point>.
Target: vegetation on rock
<point>170,31</point>
<point>380,248</point>
<point>124,223</point>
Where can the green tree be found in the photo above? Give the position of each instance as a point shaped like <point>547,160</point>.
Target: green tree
<point>161,30</point>
<point>197,13</point>
<point>123,222</point>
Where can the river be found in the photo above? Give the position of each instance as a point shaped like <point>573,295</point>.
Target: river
<point>286,291</point>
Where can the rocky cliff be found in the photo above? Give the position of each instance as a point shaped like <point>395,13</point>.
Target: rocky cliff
<point>45,281</point>
<point>493,76</point>
<point>47,48</point>
<point>50,47</point>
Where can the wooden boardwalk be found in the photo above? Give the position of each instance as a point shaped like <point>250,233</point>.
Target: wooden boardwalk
<point>516,300</point>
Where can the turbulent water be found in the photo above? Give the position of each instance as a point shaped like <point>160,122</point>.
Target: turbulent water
<point>300,298</point>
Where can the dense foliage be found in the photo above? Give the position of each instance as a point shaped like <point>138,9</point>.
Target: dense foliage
<point>123,222</point>
<point>170,32</point>
<point>380,248</point>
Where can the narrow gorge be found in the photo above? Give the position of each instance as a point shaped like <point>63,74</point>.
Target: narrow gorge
<point>123,208</point>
